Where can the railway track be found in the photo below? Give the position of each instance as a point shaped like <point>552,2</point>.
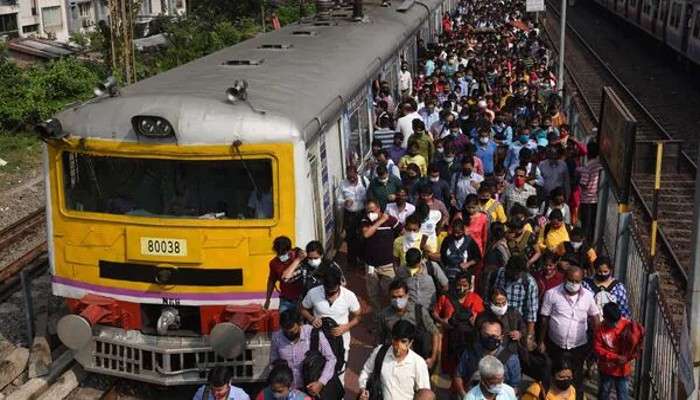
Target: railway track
<point>30,256</point>
<point>589,72</point>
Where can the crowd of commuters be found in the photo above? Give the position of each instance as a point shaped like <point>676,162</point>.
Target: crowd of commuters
<point>472,226</point>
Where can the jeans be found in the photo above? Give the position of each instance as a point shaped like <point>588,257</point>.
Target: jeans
<point>286,305</point>
<point>606,384</point>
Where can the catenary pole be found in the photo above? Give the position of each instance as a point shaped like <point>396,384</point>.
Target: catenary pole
<point>562,41</point>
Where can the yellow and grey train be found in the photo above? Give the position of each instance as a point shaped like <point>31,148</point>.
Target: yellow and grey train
<point>164,196</point>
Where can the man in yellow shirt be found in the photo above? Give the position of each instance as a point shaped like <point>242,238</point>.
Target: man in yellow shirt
<point>492,207</point>
<point>414,157</point>
<point>551,236</point>
<point>413,239</point>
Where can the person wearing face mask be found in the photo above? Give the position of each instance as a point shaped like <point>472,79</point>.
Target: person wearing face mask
<point>491,384</point>
<point>405,81</point>
<point>404,308</point>
<point>448,165</point>
<point>551,236</point>
<point>577,248</point>
<point>333,300</point>
<point>459,252</point>
<point>489,343</point>
<point>219,386</point>
<point>382,158</point>
<point>400,208</point>
<point>519,191</point>
<point>557,200</point>
<point>522,140</point>
<point>414,157</point>
<point>294,339</point>
<point>617,342</point>
<point>456,313</point>
<point>486,148</point>
<point>490,206</point>
<point>521,290</point>
<point>550,276</point>
<point>511,321</point>
<point>310,272</point>
<point>383,188</point>
<point>425,278</point>
<point>464,183</point>
<point>555,172</point>
<point>605,288</point>
<point>352,196</point>
<point>567,310</point>
<point>439,187</point>
<point>398,371</point>
<point>413,238</point>
<point>430,113</point>
<point>424,141</point>
<point>280,383</point>
<point>286,258</point>
<point>396,150</point>
<point>560,386</point>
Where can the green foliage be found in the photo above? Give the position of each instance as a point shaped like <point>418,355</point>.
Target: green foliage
<point>31,95</point>
<point>289,11</point>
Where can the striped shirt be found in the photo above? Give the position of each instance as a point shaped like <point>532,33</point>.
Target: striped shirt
<point>590,173</point>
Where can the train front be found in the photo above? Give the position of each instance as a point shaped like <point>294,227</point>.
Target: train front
<point>161,218</point>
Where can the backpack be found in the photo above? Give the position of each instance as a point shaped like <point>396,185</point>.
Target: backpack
<point>461,331</point>
<point>312,368</point>
<point>374,382</point>
<point>423,344</point>
<point>336,343</point>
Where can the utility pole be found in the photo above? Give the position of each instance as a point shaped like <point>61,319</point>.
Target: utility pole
<point>122,13</point>
<point>562,41</point>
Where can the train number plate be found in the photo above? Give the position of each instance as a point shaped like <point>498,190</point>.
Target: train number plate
<point>163,247</point>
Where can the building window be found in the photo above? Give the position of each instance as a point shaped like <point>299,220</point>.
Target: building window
<point>8,25</point>
<point>85,10</point>
<point>51,16</point>
<point>30,28</point>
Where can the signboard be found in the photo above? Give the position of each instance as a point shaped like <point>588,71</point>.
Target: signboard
<point>616,135</point>
<point>534,5</point>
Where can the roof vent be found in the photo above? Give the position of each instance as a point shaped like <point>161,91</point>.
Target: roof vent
<point>243,63</point>
<point>305,33</point>
<point>325,23</point>
<point>276,46</point>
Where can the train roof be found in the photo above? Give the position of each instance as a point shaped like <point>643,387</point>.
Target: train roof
<point>300,88</point>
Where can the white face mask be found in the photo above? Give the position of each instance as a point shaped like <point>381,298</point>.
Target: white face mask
<point>434,179</point>
<point>440,150</point>
<point>495,389</point>
<point>483,140</point>
<point>400,303</point>
<point>284,257</point>
<point>373,216</point>
<point>499,310</point>
<point>572,287</point>
<point>576,245</point>
<point>449,159</point>
<point>315,262</point>
<point>533,211</point>
<point>412,236</point>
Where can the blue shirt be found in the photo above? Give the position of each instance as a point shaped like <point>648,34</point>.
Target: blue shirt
<point>469,364</point>
<point>235,393</point>
<point>486,153</point>
<point>429,67</point>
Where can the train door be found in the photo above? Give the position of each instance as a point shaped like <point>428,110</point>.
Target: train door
<point>694,41</point>
<point>315,177</point>
<point>660,23</point>
<point>686,21</point>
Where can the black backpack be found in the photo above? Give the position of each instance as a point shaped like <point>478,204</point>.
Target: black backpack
<point>374,382</point>
<point>312,368</point>
<point>423,343</point>
<point>336,343</point>
<point>461,331</point>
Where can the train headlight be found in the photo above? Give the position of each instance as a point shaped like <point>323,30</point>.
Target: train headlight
<point>74,331</point>
<point>227,340</point>
<point>50,129</point>
<point>152,126</point>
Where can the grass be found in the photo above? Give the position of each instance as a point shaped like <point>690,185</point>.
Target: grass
<point>22,152</point>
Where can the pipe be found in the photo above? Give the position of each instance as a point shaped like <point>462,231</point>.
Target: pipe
<point>168,317</point>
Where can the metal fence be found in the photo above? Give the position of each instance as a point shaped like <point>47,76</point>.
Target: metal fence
<point>656,373</point>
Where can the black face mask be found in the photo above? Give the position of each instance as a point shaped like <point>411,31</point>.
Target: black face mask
<point>292,337</point>
<point>490,343</point>
<point>562,384</point>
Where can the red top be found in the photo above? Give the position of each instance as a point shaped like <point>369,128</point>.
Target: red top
<point>608,345</point>
<point>473,301</point>
<point>544,284</point>
<point>477,229</point>
<point>288,291</point>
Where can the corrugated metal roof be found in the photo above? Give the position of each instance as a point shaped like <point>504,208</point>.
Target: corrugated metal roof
<point>294,86</point>
<point>41,48</point>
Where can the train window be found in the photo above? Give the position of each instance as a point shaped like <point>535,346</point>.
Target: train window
<point>696,27</point>
<point>354,146</point>
<point>364,128</point>
<point>202,189</point>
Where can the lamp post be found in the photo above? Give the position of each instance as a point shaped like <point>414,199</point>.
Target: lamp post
<point>562,41</point>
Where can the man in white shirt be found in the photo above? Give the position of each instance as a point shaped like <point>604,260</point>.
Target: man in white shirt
<point>405,123</point>
<point>353,194</point>
<point>566,311</point>
<point>400,208</point>
<point>334,301</point>
<point>464,183</point>
<point>491,386</point>
<point>402,372</point>
<point>405,81</point>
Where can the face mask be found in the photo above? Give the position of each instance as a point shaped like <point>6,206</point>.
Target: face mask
<point>315,262</point>
<point>279,396</point>
<point>373,216</point>
<point>495,389</point>
<point>400,303</point>
<point>384,180</point>
<point>467,171</point>
<point>576,245</point>
<point>412,236</point>
<point>562,384</point>
<point>440,150</point>
<point>483,140</point>
<point>519,182</point>
<point>490,343</point>
<point>484,201</point>
<point>572,287</point>
<point>602,277</point>
<point>461,291</point>
<point>524,139</point>
<point>284,257</point>
<point>434,179</point>
<point>533,211</point>
<point>449,159</point>
<point>499,310</point>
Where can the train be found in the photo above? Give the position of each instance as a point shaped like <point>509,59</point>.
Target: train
<point>675,23</point>
<point>163,197</point>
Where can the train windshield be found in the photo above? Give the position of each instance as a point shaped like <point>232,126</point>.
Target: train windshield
<point>211,189</point>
